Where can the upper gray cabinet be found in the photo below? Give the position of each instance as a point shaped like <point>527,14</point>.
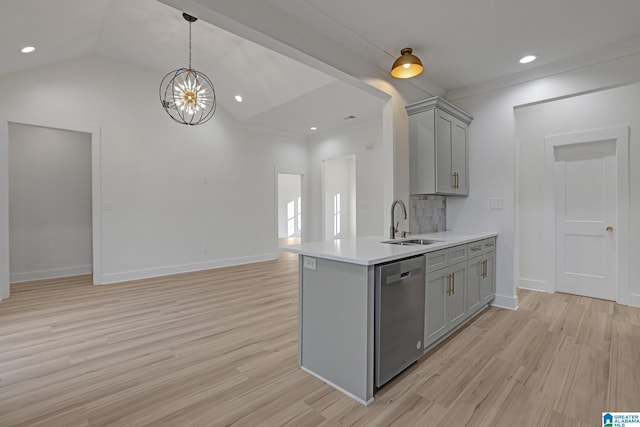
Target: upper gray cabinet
<point>438,161</point>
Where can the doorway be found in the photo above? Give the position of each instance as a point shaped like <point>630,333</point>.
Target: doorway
<point>50,221</point>
<point>289,208</point>
<point>587,205</point>
<point>339,197</point>
<point>54,123</point>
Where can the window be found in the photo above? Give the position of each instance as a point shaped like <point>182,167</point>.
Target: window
<point>336,214</point>
<point>291,218</point>
<point>299,214</point>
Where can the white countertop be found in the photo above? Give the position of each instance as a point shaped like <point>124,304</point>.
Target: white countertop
<point>371,250</point>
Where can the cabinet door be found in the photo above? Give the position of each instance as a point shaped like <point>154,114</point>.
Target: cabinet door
<point>422,164</point>
<point>435,317</point>
<point>444,152</point>
<point>456,311</point>
<point>475,270</point>
<point>488,281</point>
<point>459,158</point>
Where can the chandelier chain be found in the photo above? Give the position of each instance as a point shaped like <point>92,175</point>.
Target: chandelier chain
<point>190,45</point>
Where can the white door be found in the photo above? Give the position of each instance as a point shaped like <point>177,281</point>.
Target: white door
<point>586,202</point>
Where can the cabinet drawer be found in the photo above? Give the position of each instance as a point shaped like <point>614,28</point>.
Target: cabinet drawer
<point>488,245</point>
<point>474,248</point>
<point>457,254</point>
<point>437,260</point>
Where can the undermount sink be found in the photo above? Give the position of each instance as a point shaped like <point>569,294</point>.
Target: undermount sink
<point>412,242</point>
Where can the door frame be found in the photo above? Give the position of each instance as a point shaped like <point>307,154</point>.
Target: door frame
<point>278,171</point>
<point>96,185</point>
<point>620,135</point>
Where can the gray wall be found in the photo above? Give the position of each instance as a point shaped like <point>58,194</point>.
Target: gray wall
<point>49,202</point>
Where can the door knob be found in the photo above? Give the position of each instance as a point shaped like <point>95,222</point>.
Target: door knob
<point>609,228</point>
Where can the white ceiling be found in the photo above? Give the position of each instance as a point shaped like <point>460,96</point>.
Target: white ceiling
<point>461,42</point>
<point>278,92</point>
<point>466,42</point>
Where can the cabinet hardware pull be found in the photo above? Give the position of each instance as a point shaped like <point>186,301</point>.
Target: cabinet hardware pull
<point>456,179</point>
<point>449,284</point>
<point>453,283</point>
<point>485,269</point>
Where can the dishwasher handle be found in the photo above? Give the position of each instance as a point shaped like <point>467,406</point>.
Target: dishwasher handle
<point>398,278</point>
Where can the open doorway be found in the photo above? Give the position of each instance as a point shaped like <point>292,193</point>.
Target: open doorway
<point>50,203</point>
<point>289,208</point>
<point>339,197</point>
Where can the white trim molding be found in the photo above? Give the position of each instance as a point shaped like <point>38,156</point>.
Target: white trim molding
<point>53,273</point>
<point>535,285</point>
<point>505,301</point>
<point>619,134</point>
<point>185,268</point>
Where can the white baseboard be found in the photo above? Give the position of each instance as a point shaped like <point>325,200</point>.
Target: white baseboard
<point>632,300</point>
<point>53,273</point>
<point>337,387</point>
<point>184,268</point>
<point>503,301</point>
<point>535,285</point>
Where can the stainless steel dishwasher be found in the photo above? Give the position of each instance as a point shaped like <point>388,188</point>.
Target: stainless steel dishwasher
<point>399,316</point>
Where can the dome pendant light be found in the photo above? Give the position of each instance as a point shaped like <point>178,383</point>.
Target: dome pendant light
<point>188,95</point>
<point>407,65</point>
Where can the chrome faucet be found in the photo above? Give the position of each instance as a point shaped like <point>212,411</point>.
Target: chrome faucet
<point>394,228</point>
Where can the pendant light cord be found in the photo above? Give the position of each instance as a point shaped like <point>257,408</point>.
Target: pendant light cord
<point>190,45</point>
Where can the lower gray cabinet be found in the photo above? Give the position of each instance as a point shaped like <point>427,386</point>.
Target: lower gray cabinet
<point>475,269</point>
<point>480,281</point>
<point>444,301</point>
<point>457,287</point>
<point>456,311</point>
<point>435,320</point>
<point>488,282</point>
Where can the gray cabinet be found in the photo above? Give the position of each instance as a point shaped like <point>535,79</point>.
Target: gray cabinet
<point>488,283</point>
<point>475,270</point>
<point>435,303</point>
<point>460,281</point>
<point>444,297</point>
<point>438,148</point>
<point>455,308</point>
<point>481,274</point>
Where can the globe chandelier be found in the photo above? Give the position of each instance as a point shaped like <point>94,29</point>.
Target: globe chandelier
<point>188,95</point>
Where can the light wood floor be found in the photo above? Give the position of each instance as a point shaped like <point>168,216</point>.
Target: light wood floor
<point>219,348</point>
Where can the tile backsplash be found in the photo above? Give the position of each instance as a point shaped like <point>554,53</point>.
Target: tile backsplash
<point>428,214</point>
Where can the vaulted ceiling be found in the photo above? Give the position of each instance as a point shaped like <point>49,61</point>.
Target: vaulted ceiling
<point>462,43</point>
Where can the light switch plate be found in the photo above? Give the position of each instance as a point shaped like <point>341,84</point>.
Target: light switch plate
<point>309,263</point>
<point>495,204</point>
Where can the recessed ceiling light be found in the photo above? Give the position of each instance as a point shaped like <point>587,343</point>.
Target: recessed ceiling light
<point>27,49</point>
<point>313,128</point>
<point>238,98</point>
<point>528,58</point>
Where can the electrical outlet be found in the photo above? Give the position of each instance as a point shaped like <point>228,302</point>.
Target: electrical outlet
<point>309,263</point>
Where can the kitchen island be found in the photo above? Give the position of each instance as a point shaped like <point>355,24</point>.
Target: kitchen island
<point>336,299</point>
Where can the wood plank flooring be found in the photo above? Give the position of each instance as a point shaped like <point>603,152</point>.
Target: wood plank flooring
<point>218,348</point>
